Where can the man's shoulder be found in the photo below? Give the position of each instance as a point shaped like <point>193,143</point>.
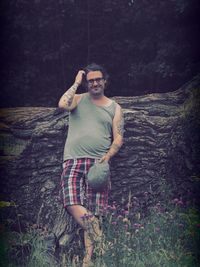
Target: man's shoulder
<point>117,105</point>
<point>80,96</point>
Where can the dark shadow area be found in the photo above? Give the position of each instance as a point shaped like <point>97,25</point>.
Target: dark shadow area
<point>146,46</point>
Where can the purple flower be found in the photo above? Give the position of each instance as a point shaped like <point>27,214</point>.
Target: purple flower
<point>120,217</point>
<point>180,203</point>
<point>137,225</point>
<point>175,200</point>
<point>113,207</point>
<point>126,212</point>
<point>158,204</point>
<point>114,223</point>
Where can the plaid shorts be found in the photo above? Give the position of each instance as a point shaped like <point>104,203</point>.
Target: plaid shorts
<point>76,190</point>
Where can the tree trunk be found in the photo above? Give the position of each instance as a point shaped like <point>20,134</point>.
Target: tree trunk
<point>161,143</point>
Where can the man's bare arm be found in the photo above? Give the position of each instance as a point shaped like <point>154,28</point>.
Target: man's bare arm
<point>69,99</point>
<point>118,132</point>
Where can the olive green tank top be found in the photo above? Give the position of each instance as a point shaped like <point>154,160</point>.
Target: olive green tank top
<point>90,130</point>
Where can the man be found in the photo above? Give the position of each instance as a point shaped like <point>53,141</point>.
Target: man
<point>95,135</point>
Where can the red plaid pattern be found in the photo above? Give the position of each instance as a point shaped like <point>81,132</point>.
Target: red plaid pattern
<point>75,188</point>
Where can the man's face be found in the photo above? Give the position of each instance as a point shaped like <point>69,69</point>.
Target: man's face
<point>95,83</point>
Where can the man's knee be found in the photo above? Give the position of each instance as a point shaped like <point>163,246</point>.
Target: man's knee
<point>71,209</point>
<point>76,209</point>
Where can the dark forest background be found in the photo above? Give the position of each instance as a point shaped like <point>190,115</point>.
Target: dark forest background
<point>146,46</point>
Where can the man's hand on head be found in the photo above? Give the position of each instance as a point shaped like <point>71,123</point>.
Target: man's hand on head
<point>79,77</point>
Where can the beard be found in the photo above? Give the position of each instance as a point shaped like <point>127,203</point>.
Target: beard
<point>97,90</point>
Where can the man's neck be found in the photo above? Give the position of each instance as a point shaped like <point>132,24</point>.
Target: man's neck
<point>101,100</point>
<point>97,97</point>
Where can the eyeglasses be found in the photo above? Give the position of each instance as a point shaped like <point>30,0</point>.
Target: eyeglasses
<point>97,80</point>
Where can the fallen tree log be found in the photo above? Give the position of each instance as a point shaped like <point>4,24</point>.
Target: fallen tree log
<point>161,143</point>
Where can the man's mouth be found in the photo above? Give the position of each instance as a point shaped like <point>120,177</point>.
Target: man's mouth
<point>95,88</point>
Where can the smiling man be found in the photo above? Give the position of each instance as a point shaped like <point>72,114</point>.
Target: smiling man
<point>95,135</point>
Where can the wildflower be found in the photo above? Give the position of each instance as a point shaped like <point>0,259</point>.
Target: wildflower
<point>180,203</point>
<point>136,225</point>
<point>125,220</point>
<point>126,226</point>
<point>175,200</point>
<point>114,223</point>
<point>198,225</point>
<point>120,216</point>
<point>113,208</point>
<point>128,233</point>
<point>126,212</point>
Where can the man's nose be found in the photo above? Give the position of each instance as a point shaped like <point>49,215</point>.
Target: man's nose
<point>95,82</point>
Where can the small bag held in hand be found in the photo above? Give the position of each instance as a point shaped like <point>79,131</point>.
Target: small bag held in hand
<point>98,176</point>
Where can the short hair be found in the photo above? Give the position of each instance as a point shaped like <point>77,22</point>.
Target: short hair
<point>96,67</point>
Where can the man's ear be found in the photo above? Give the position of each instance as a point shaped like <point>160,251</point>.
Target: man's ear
<point>105,82</point>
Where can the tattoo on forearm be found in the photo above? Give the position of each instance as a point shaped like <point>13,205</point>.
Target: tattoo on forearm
<point>69,95</point>
<point>120,124</point>
<point>115,147</point>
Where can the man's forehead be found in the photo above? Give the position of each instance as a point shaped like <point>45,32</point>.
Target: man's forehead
<point>94,74</point>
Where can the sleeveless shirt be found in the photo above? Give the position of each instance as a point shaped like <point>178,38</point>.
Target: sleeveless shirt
<point>90,130</point>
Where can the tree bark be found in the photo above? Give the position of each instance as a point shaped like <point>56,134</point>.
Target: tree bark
<point>161,143</point>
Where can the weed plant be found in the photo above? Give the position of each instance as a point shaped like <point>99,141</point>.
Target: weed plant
<point>24,249</point>
<point>168,237</point>
<point>167,234</point>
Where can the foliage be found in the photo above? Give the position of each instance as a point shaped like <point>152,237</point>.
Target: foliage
<point>25,249</point>
<point>192,128</point>
<point>169,236</point>
<point>166,233</point>
<point>147,46</point>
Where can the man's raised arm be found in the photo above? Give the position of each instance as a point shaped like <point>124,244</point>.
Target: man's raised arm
<point>69,100</point>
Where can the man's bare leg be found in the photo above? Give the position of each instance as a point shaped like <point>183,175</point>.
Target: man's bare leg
<point>91,228</point>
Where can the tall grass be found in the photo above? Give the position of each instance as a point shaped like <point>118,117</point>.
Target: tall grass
<point>24,248</point>
<point>169,237</point>
<point>164,234</point>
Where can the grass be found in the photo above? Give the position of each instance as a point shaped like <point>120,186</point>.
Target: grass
<point>168,236</point>
<point>165,233</point>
